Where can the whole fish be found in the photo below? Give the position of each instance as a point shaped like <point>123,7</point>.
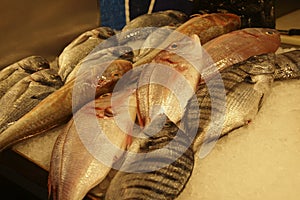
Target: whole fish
<point>287,65</point>
<point>11,74</point>
<point>80,47</point>
<point>26,94</point>
<point>57,108</point>
<point>206,27</point>
<point>230,100</point>
<point>167,83</point>
<point>237,46</point>
<point>159,169</point>
<point>82,156</point>
<point>100,56</point>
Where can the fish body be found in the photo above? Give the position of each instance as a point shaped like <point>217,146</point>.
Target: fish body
<point>57,108</point>
<point>230,101</point>
<point>166,84</point>
<point>80,47</point>
<point>209,26</point>
<point>13,73</point>
<point>159,169</point>
<point>287,65</point>
<point>76,164</point>
<point>237,46</point>
<point>26,94</point>
<point>101,56</point>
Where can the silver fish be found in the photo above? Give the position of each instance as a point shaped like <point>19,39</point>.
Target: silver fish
<point>101,56</point>
<point>160,172</point>
<point>230,100</point>
<point>80,48</point>
<point>26,94</point>
<point>11,74</point>
<point>287,65</point>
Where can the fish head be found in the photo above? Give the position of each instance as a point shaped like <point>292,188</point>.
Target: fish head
<point>175,14</point>
<point>268,36</point>
<point>260,64</point>
<point>34,63</point>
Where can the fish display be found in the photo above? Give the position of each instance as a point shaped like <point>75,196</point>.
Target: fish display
<point>57,108</point>
<point>237,46</point>
<point>80,47</point>
<point>231,100</point>
<point>11,74</point>
<point>287,65</point>
<point>206,27</point>
<point>26,94</point>
<point>159,167</point>
<point>92,127</point>
<point>102,56</point>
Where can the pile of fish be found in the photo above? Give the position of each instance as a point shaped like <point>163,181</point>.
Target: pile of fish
<point>139,103</point>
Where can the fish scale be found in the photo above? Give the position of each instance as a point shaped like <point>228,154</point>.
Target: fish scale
<point>146,181</point>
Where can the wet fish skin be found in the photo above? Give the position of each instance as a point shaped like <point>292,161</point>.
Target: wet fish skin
<point>26,94</point>
<point>209,26</point>
<point>80,47</point>
<point>287,65</point>
<point>160,173</point>
<point>238,96</point>
<point>156,92</point>
<point>11,74</point>
<point>57,108</point>
<point>206,27</point>
<point>74,170</point>
<point>237,46</point>
<point>103,55</point>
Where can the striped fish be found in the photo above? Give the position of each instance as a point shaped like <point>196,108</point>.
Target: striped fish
<point>287,65</point>
<point>229,100</point>
<point>161,168</point>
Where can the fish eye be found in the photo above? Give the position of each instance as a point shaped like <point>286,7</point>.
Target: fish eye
<point>269,32</point>
<point>174,46</point>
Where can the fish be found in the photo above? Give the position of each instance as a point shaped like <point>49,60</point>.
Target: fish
<point>167,83</point>
<point>57,108</point>
<point>287,65</point>
<point>80,47</point>
<point>229,101</point>
<point>13,73</point>
<point>159,165</point>
<point>82,156</point>
<point>206,26</point>
<point>101,56</point>
<point>209,26</point>
<point>26,94</point>
<point>237,46</point>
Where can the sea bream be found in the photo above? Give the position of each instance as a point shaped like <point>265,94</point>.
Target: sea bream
<point>80,47</point>
<point>57,108</point>
<point>229,100</point>
<point>26,94</point>
<point>287,65</point>
<point>90,145</point>
<point>13,73</point>
<point>237,46</point>
<point>158,166</point>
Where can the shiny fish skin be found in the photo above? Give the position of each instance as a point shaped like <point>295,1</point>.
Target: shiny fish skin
<point>57,107</point>
<point>80,47</point>
<point>157,93</point>
<point>237,46</point>
<point>246,85</point>
<point>206,27</point>
<point>100,56</point>
<point>26,94</point>
<point>287,65</point>
<point>13,73</point>
<point>209,26</point>
<point>74,170</point>
<point>143,181</point>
